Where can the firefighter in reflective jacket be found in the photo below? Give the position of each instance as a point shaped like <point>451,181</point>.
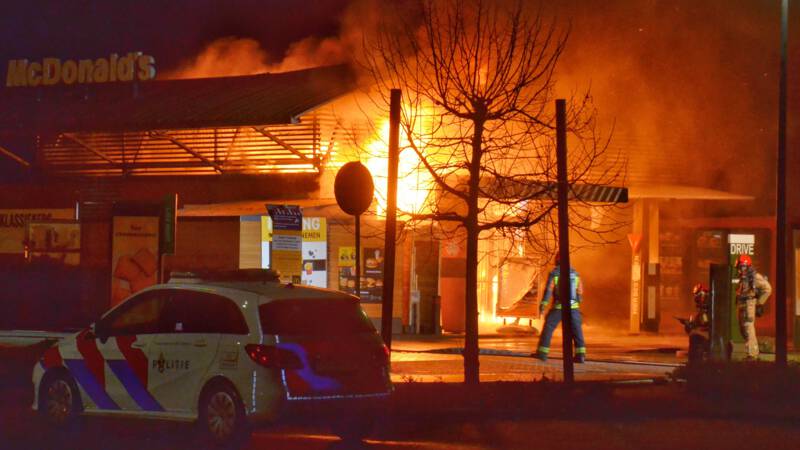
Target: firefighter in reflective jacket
<point>751,295</point>
<point>554,315</point>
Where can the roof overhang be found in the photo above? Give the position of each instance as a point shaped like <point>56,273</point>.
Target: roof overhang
<point>311,207</point>
<point>258,124</point>
<point>681,192</point>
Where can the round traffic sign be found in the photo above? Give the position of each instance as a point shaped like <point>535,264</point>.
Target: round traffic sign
<point>353,188</point>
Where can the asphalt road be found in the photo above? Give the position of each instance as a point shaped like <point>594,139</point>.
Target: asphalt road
<point>633,417</point>
<point>449,433</point>
<point>505,359</point>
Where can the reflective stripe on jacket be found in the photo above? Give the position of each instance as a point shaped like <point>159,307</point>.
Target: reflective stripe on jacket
<point>576,291</point>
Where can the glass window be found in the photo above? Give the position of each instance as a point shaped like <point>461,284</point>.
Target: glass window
<point>138,315</point>
<point>202,312</point>
<point>314,317</point>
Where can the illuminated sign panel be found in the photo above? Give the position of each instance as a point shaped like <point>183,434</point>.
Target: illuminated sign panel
<point>13,223</point>
<point>314,249</point>
<point>52,71</point>
<point>287,240</point>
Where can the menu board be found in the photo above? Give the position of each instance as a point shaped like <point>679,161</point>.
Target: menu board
<point>347,270</point>
<point>671,258</point>
<point>371,273</point>
<point>372,280</point>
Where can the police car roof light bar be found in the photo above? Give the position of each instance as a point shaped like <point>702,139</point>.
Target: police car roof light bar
<point>246,275</point>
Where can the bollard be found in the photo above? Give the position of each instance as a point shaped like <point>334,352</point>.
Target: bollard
<point>414,318</point>
<point>437,310</point>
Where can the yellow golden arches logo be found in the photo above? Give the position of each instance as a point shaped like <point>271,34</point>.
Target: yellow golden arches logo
<point>134,66</point>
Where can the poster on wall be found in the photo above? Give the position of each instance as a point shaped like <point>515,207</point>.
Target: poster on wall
<point>134,255</point>
<point>371,273</point>
<point>13,225</point>
<point>287,238</point>
<point>372,280</point>
<point>347,270</point>
<point>266,238</point>
<point>315,252</point>
<point>54,241</point>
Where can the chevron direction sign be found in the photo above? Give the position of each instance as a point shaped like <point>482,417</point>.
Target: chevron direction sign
<point>599,193</point>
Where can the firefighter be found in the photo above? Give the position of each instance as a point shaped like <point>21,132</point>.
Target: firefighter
<point>554,314</point>
<point>701,302</point>
<point>697,326</point>
<point>751,295</point>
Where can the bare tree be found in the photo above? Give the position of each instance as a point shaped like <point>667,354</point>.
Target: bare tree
<point>478,85</point>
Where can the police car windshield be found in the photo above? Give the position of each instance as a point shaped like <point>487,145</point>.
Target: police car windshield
<point>314,317</point>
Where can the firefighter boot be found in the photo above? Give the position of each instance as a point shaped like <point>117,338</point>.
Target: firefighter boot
<point>540,356</point>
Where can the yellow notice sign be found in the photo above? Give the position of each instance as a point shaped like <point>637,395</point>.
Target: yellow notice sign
<point>266,229</point>
<point>286,257</point>
<point>315,229</point>
<point>287,241</point>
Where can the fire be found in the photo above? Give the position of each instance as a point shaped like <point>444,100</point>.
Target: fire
<point>414,183</point>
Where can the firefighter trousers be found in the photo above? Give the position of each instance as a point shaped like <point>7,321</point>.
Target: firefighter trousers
<point>747,324</point>
<point>551,322</point>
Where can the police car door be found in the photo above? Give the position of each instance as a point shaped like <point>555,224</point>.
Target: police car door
<point>182,354</point>
<point>116,375</point>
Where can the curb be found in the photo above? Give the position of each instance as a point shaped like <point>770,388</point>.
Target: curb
<point>511,353</point>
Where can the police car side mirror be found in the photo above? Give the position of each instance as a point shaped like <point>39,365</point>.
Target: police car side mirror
<point>100,331</point>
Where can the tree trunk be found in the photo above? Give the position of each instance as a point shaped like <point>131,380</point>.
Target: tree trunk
<point>471,362</point>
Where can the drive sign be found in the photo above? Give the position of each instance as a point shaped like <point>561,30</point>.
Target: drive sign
<point>742,244</point>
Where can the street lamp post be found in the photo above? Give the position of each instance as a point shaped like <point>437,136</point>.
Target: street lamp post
<point>780,269</point>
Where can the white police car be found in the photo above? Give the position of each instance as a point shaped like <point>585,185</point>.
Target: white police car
<point>225,350</point>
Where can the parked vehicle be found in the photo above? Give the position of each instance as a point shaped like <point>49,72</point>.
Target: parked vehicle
<point>227,350</point>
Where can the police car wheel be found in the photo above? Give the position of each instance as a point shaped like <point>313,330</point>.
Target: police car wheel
<point>59,400</point>
<point>222,416</point>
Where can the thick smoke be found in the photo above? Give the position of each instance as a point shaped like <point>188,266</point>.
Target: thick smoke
<point>689,88</point>
<point>232,56</point>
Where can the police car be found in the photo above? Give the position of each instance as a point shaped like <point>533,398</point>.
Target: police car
<point>225,350</point>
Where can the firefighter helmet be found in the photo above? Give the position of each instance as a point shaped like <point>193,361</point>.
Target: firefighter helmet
<point>699,289</point>
<point>744,260</point>
<point>700,293</point>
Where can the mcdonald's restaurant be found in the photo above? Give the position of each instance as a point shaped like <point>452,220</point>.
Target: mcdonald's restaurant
<point>113,180</point>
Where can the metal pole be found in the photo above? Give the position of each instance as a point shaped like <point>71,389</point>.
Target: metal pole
<point>564,284</point>
<point>358,255</point>
<point>780,270</point>
<point>391,219</point>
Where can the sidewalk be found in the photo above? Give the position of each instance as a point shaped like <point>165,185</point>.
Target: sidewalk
<point>505,356</point>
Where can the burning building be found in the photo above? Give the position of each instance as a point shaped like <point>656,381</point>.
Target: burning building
<point>81,155</point>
